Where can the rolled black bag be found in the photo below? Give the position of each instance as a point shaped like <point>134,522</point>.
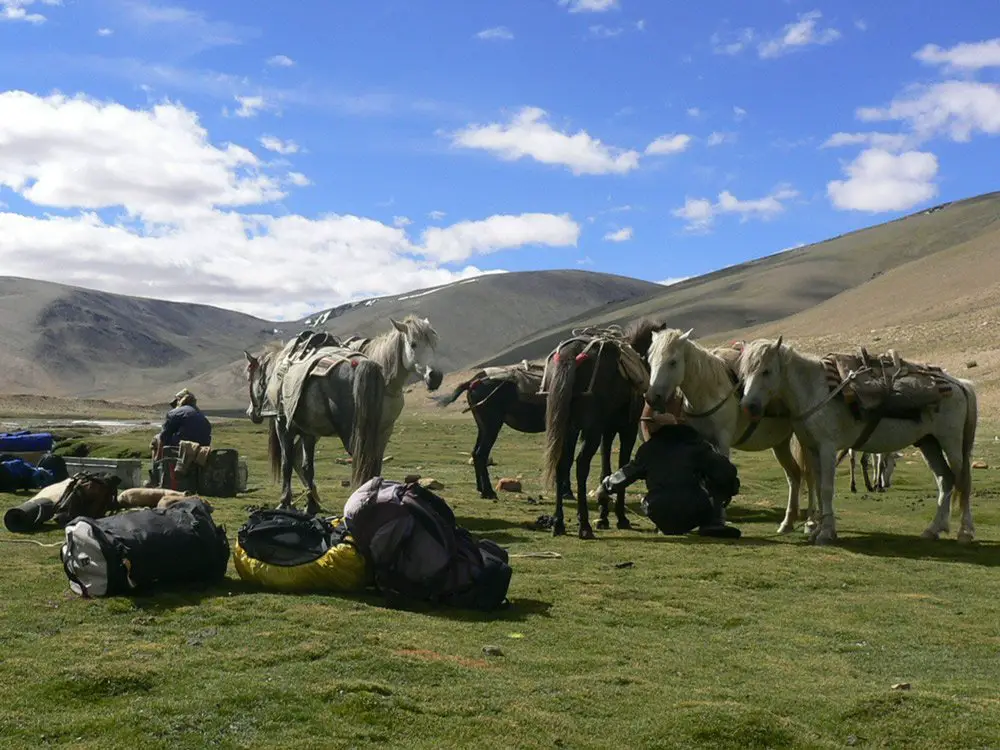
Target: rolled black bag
<point>29,515</point>
<point>132,553</point>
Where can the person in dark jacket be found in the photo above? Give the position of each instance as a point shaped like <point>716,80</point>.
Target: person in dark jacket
<point>689,483</point>
<point>184,421</point>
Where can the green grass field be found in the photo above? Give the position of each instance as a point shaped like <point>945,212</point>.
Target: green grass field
<point>766,642</point>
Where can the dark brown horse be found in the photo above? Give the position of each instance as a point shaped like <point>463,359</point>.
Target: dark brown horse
<point>590,399</point>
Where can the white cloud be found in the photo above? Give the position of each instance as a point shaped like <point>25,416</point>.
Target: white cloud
<point>717,138</point>
<point>886,141</point>
<point>674,280</point>
<point>734,44</point>
<point>589,6</point>
<point>278,146</point>
<point>16,10</point>
<point>249,105</point>
<point>105,32</point>
<point>861,24</point>
<point>529,135</point>
<point>693,112</point>
<point>957,109</point>
<point>280,61</point>
<point>880,181</point>
<point>497,32</point>
<point>436,215</point>
<point>170,224</point>
<point>298,179</point>
<point>606,32</point>
<point>467,238</point>
<point>700,213</point>
<point>801,33</point>
<point>739,113</point>
<point>67,152</point>
<point>669,144</point>
<point>640,25</point>
<point>622,235</point>
<point>401,221</point>
<point>179,27</point>
<point>965,56</point>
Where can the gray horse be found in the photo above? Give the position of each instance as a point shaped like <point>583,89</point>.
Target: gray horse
<point>347,402</point>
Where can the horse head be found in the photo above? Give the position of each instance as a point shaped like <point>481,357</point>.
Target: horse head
<point>761,373</point>
<point>420,341</point>
<point>666,359</point>
<point>256,374</point>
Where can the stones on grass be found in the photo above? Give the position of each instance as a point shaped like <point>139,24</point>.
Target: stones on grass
<point>980,465</point>
<point>901,686</point>
<point>971,363</point>
<point>509,484</point>
<point>411,479</point>
<point>429,483</point>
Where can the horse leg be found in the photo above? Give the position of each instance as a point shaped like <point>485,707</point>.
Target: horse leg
<point>626,442</point>
<point>489,430</point>
<point>607,445</point>
<point>309,473</point>
<point>853,457</point>
<point>945,478</point>
<point>793,475</point>
<point>592,441</point>
<point>866,460</point>
<point>287,441</point>
<point>824,462</point>
<point>563,482</point>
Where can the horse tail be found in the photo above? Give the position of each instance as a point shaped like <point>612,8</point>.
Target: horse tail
<point>273,447</point>
<point>369,397</point>
<point>964,479</point>
<point>459,390</point>
<point>557,413</point>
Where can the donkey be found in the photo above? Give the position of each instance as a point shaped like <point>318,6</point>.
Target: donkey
<point>589,398</point>
<point>347,402</point>
<point>710,388</point>
<point>825,424</point>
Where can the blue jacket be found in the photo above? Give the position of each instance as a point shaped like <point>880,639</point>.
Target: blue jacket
<point>186,423</point>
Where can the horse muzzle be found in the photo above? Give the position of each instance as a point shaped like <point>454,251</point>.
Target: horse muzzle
<point>753,409</point>
<point>655,401</point>
<point>254,416</point>
<point>433,379</point>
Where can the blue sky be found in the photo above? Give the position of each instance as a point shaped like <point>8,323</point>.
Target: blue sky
<point>281,160</point>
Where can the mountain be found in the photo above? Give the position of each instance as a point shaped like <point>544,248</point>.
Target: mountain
<point>65,341</point>
<point>742,298</point>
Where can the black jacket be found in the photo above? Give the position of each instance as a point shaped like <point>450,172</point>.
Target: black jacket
<point>677,461</point>
<point>186,423</point>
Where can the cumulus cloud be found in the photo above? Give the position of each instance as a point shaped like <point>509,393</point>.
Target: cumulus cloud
<point>885,141</point>
<point>298,179</point>
<point>105,32</point>
<point>436,215</point>
<point>965,56</point>
<point>700,213</point>
<point>460,241</point>
<point>17,10</point>
<point>249,105</point>
<point>717,138</point>
<point>278,146</point>
<point>529,135</point>
<point>401,221</point>
<point>280,61</point>
<point>732,44</point>
<point>956,109</point>
<point>497,32</point>
<point>149,205</point>
<point>880,181</point>
<point>693,112</point>
<point>622,235</point>
<point>739,113</point>
<point>802,33</point>
<point>669,144</point>
<point>589,6</point>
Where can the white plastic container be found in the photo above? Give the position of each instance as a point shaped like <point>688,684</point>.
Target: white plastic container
<point>128,469</point>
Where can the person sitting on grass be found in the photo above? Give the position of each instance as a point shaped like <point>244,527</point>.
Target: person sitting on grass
<point>689,483</point>
<point>184,421</point>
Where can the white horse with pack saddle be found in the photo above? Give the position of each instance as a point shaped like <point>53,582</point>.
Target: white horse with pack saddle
<point>873,404</point>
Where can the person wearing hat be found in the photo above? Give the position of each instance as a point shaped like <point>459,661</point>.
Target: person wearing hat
<point>689,482</point>
<point>184,421</point>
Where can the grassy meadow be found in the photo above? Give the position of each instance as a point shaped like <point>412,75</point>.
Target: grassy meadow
<point>767,642</point>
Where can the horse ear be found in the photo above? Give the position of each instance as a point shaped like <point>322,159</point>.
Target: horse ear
<point>777,344</point>
<point>250,358</point>
<point>684,336</point>
<point>397,325</point>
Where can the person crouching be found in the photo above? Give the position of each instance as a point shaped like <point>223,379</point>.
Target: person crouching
<point>689,483</point>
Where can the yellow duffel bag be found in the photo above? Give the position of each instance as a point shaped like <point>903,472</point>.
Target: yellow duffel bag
<point>286,550</point>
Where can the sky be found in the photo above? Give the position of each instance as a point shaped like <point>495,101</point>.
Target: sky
<point>278,160</point>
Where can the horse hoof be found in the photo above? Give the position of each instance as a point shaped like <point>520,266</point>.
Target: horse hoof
<point>603,524</point>
<point>624,524</point>
<point>586,532</point>
<point>930,534</point>
<point>966,537</point>
<point>559,529</point>
<point>826,537</point>
<point>488,495</point>
<point>810,527</point>
<point>786,528</point>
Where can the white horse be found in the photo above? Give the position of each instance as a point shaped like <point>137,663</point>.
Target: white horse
<point>824,424</point>
<point>885,464</point>
<point>710,388</point>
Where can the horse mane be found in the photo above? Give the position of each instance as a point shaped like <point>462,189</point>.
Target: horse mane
<point>639,333</point>
<point>754,353</point>
<point>703,368</point>
<point>421,329</point>
<point>270,351</point>
<point>387,348</point>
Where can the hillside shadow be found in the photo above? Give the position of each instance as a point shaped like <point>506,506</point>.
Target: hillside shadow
<point>911,547</point>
